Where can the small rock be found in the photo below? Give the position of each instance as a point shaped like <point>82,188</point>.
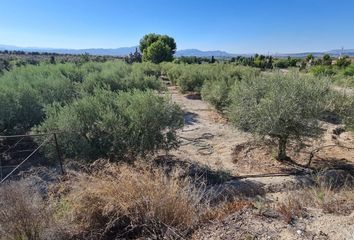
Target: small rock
<point>338,130</point>
<point>299,232</point>
<point>271,213</point>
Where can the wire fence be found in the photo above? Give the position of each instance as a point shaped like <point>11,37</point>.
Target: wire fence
<point>22,151</point>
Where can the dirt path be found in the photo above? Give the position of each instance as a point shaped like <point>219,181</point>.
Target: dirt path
<point>213,146</point>
<point>216,138</point>
<point>208,139</point>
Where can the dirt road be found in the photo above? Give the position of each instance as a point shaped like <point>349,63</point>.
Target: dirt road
<point>206,137</point>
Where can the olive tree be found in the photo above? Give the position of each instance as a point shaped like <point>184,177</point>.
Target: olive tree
<point>114,124</point>
<point>282,106</point>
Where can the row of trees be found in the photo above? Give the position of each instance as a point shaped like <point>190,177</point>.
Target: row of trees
<point>101,109</point>
<point>286,107</point>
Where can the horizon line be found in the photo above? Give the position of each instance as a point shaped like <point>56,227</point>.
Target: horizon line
<point>137,46</point>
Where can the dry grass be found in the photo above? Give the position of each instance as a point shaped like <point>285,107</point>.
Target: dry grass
<point>336,201</point>
<point>23,212</point>
<point>227,208</point>
<point>108,201</point>
<point>290,209</point>
<point>329,198</point>
<point>121,201</point>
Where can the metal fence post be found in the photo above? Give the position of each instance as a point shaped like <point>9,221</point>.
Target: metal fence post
<point>0,168</point>
<point>58,153</point>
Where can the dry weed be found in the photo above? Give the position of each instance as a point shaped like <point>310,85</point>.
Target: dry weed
<point>124,201</point>
<point>23,212</point>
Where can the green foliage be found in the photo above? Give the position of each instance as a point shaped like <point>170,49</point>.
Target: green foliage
<point>121,76</point>
<point>342,105</point>
<point>157,48</point>
<point>191,81</point>
<point>343,62</point>
<point>213,81</point>
<point>322,70</point>
<point>115,125</point>
<point>263,62</point>
<point>216,93</point>
<point>285,62</point>
<point>19,109</point>
<point>258,61</point>
<point>326,60</point>
<point>217,88</point>
<point>310,57</point>
<point>282,106</point>
<point>187,77</point>
<point>349,70</point>
<point>4,66</point>
<point>26,90</point>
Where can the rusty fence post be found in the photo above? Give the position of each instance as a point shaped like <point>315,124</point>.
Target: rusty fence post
<point>58,153</point>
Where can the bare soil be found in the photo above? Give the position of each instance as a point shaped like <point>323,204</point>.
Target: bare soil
<point>209,140</point>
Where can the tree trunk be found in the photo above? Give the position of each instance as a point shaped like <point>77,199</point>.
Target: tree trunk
<point>282,149</point>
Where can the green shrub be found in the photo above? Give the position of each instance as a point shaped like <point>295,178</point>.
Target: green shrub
<point>147,68</point>
<point>116,125</point>
<point>216,89</point>
<point>349,71</point>
<point>26,90</point>
<point>121,76</point>
<point>321,70</point>
<point>173,71</point>
<point>190,80</point>
<point>20,109</point>
<point>47,80</point>
<point>343,62</point>
<point>191,77</point>
<point>282,106</point>
<point>216,93</point>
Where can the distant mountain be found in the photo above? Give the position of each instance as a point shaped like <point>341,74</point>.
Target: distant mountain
<point>186,52</point>
<point>199,53</point>
<point>349,52</point>
<point>92,51</point>
<point>333,53</point>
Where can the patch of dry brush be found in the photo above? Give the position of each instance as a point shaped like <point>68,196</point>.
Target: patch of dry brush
<point>122,201</point>
<point>324,195</point>
<point>107,202</point>
<point>23,212</point>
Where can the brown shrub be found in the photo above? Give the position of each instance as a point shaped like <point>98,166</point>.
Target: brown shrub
<point>124,201</point>
<point>290,209</point>
<point>329,199</point>
<point>321,196</point>
<point>23,212</point>
<point>227,208</point>
<point>111,201</point>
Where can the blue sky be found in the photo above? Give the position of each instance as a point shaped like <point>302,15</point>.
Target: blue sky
<point>238,26</point>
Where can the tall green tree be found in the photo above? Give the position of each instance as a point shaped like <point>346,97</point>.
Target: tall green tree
<point>157,48</point>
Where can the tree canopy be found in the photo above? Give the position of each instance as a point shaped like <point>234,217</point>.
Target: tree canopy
<point>283,106</point>
<point>157,48</point>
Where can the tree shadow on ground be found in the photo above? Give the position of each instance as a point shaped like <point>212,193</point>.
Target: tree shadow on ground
<point>340,164</point>
<point>193,96</point>
<point>190,118</point>
<point>219,183</point>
